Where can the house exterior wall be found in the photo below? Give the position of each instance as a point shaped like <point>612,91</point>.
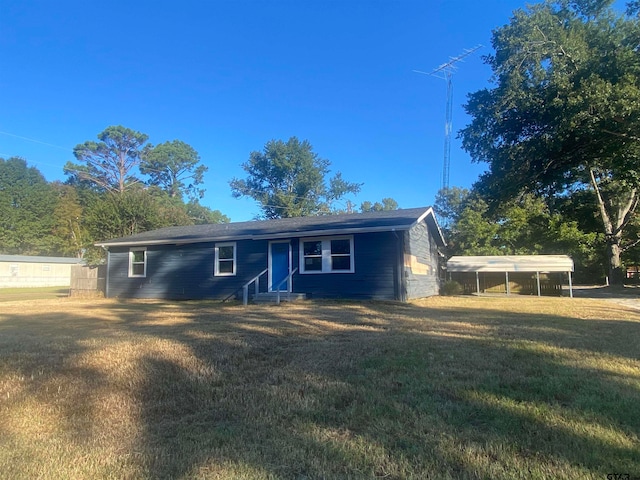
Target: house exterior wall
<point>186,272</point>
<point>375,276</point>
<point>34,274</point>
<point>421,263</point>
<point>387,266</point>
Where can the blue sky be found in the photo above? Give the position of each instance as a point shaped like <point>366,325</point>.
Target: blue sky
<point>228,76</point>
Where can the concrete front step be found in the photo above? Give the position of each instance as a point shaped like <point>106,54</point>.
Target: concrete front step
<point>271,297</point>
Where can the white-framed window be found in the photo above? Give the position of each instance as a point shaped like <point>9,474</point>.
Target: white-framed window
<point>326,255</point>
<point>225,261</point>
<point>138,262</point>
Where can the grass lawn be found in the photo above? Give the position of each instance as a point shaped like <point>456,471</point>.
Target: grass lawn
<point>37,293</point>
<point>464,387</point>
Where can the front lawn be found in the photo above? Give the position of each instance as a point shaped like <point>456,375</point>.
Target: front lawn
<point>32,293</point>
<point>448,387</point>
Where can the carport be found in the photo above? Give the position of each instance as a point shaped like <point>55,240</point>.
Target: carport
<point>512,263</point>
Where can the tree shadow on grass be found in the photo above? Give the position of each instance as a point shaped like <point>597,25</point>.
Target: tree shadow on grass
<point>344,390</point>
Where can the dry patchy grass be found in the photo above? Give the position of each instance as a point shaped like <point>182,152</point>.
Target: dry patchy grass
<point>442,388</point>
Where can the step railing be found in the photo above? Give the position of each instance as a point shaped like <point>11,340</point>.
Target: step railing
<point>288,278</point>
<point>256,281</point>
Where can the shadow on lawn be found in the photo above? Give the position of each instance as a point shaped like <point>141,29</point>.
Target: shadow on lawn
<point>360,390</point>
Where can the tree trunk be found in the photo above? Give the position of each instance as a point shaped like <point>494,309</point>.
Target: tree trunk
<point>616,276</point>
<point>613,226</point>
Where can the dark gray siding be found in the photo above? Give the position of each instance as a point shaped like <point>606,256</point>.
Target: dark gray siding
<point>376,276</point>
<point>421,263</point>
<point>184,272</point>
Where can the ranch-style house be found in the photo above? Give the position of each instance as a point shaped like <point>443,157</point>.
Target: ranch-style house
<point>391,255</point>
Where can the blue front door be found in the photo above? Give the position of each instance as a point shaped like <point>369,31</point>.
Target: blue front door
<point>280,257</point>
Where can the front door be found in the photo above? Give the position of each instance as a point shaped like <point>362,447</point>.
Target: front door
<point>279,265</point>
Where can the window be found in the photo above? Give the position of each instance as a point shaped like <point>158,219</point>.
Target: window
<point>225,264</point>
<point>138,262</point>
<point>326,255</point>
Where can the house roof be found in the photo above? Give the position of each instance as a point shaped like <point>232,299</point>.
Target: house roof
<point>510,263</point>
<point>37,259</point>
<point>402,219</point>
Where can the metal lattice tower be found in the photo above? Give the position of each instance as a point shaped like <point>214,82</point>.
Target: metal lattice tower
<point>445,72</point>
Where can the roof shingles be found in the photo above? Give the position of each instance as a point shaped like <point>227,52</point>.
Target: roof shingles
<point>300,226</point>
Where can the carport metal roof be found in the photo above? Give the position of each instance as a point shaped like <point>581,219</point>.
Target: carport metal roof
<point>511,263</point>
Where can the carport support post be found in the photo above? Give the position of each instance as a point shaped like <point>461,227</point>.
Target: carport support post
<point>506,277</point>
<point>538,282</point>
<point>570,286</point>
<point>477,283</point>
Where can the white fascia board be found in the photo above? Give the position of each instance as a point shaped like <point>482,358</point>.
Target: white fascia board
<point>172,241</point>
<point>430,212</point>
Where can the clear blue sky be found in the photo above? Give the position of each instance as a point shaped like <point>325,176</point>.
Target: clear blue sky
<point>228,76</point>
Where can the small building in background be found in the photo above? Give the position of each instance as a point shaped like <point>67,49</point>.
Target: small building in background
<point>34,271</point>
<point>521,274</point>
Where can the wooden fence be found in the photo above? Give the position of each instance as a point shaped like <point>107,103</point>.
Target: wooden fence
<point>88,281</point>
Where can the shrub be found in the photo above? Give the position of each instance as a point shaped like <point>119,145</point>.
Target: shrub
<point>451,287</point>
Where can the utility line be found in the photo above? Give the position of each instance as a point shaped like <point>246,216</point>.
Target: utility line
<point>34,141</point>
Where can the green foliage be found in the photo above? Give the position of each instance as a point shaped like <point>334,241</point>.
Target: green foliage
<point>108,165</point>
<point>288,180</point>
<point>385,205</point>
<point>448,206</point>
<point>103,197</point>
<point>173,166</point>
<point>200,214</point>
<point>451,287</point>
<point>475,233</point>
<point>523,226</point>
<point>27,202</point>
<point>68,224</point>
<point>565,111</point>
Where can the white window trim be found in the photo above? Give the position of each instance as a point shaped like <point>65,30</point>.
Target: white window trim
<point>216,265</point>
<point>326,255</point>
<point>137,249</point>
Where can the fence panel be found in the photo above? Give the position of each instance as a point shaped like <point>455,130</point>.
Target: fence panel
<point>87,281</point>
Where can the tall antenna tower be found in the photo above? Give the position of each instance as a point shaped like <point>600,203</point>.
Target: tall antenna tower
<point>445,72</point>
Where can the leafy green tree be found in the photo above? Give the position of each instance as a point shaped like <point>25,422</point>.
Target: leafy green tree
<point>522,226</point>
<point>173,166</point>
<point>199,214</point>
<point>26,210</point>
<point>449,204</point>
<point>474,232</point>
<point>288,180</point>
<point>114,215</point>
<point>565,111</point>
<point>110,164</point>
<point>68,225</point>
<point>386,204</point>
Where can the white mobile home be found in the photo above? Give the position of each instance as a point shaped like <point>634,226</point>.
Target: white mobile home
<point>34,271</point>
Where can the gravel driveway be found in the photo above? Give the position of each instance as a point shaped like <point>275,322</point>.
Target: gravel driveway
<point>627,295</point>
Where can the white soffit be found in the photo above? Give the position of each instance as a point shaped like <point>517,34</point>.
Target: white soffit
<point>511,263</point>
